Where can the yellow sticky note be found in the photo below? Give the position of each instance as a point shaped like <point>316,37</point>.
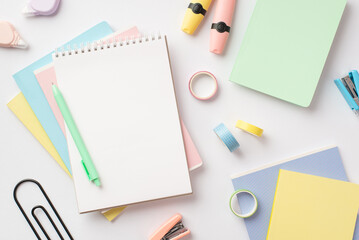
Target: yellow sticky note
<point>312,207</point>
<point>21,108</point>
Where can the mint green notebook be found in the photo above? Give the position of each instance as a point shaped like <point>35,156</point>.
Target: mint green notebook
<point>285,47</point>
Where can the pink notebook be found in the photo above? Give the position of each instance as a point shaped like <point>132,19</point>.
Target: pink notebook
<point>46,76</point>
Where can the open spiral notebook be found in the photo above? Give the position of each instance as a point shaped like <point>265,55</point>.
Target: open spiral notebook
<point>122,98</point>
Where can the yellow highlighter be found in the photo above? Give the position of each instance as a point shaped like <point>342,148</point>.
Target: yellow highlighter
<point>194,14</point>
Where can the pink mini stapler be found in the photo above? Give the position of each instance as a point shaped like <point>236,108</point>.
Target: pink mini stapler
<point>221,25</point>
<point>172,229</point>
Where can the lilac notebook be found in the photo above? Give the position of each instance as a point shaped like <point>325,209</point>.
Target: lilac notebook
<point>262,182</point>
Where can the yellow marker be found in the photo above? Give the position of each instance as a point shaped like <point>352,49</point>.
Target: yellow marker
<point>194,14</point>
<point>249,128</point>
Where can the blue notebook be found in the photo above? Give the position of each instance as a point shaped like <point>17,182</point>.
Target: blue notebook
<point>33,93</point>
<point>262,182</point>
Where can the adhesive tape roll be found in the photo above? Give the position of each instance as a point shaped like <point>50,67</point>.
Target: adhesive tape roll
<point>194,77</point>
<point>254,209</point>
<point>249,128</point>
<point>226,137</point>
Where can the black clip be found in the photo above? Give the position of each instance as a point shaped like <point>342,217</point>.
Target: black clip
<point>43,209</point>
<point>221,27</point>
<point>197,8</point>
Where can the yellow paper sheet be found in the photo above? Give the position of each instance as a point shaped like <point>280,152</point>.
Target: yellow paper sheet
<point>113,213</point>
<point>312,207</point>
<point>22,110</point>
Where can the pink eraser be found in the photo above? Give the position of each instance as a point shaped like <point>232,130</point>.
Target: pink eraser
<point>41,7</point>
<point>221,25</point>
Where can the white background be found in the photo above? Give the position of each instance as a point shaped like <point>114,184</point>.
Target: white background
<point>288,129</point>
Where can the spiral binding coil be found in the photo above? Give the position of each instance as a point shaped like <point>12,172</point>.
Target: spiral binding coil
<point>113,42</point>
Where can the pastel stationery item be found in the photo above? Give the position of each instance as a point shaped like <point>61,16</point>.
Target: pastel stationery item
<point>140,142</point>
<point>9,37</point>
<point>41,7</point>
<point>235,195</point>
<point>32,91</point>
<point>325,162</point>
<point>86,161</point>
<point>22,110</point>
<point>348,86</point>
<point>113,213</point>
<point>46,77</point>
<point>195,13</point>
<point>249,128</point>
<point>195,78</point>
<point>226,137</point>
<point>172,229</point>
<point>221,25</point>
<point>311,207</point>
<point>276,42</point>
<point>194,160</point>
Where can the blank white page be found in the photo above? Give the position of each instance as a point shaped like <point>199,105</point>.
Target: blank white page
<point>123,102</point>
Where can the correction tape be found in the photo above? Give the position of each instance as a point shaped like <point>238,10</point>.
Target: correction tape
<point>9,37</point>
<point>41,7</point>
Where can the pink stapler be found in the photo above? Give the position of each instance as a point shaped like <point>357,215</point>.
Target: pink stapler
<point>221,25</point>
<point>173,229</point>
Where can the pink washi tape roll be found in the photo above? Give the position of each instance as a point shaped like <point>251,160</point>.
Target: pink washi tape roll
<point>212,92</point>
<point>9,37</point>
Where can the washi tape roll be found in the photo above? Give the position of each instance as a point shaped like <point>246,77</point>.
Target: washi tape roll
<point>226,137</point>
<point>241,215</point>
<point>194,78</point>
<point>249,128</point>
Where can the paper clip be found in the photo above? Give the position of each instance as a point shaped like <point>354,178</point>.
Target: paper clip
<point>43,209</point>
<point>172,229</point>
<point>348,86</point>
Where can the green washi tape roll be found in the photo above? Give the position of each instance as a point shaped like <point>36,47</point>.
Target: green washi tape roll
<point>247,215</point>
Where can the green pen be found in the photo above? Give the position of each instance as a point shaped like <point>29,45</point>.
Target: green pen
<point>86,159</point>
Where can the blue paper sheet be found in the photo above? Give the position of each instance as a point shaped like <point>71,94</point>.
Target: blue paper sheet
<point>33,93</point>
